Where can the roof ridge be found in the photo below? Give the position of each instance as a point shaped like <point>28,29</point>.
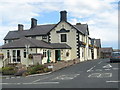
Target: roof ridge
<point>45,24</point>
<point>31,42</point>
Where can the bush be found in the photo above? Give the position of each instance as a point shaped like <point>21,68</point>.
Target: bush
<point>7,68</point>
<point>8,71</point>
<point>37,69</point>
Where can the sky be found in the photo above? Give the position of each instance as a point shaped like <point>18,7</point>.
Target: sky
<point>100,15</point>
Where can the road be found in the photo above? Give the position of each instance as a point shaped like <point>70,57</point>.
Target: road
<point>90,74</point>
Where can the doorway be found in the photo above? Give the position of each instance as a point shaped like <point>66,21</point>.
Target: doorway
<point>57,55</point>
<point>16,56</point>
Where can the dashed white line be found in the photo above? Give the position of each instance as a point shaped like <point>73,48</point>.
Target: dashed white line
<point>41,79</point>
<point>30,83</point>
<point>112,81</point>
<point>12,77</point>
<point>43,83</point>
<point>11,83</point>
<point>94,75</point>
<point>115,68</point>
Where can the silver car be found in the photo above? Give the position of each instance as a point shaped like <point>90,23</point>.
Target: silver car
<point>115,57</point>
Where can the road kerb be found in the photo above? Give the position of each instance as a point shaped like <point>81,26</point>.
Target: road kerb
<point>38,74</point>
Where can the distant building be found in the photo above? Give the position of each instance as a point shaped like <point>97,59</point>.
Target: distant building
<point>52,42</point>
<point>116,50</point>
<point>96,43</point>
<point>106,52</point>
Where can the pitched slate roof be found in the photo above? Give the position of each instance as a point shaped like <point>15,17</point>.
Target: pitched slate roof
<point>98,42</point>
<point>60,46</point>
<point>82,28</point>
<point>40,30</point>
<point>33,43</point>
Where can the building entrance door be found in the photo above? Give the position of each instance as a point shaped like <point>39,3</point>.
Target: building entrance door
<point>57,55</point>
<point>16,56</point>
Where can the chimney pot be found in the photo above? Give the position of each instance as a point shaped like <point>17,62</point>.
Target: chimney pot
<point>33,22</point>
<point>63,16</point>
<point>20,27</point>
<point>78,23</point>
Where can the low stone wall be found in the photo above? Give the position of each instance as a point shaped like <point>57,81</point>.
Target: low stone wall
<point>61,64</point>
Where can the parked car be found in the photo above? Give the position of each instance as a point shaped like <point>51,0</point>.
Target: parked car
<point>115,57</point>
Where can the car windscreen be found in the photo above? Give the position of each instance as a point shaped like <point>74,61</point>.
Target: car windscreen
<point>116,54</point>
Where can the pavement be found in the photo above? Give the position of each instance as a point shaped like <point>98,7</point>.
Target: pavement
<point>89,74</point>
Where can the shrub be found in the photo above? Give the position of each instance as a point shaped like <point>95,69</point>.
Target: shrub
<point>8,71</point>
<point>37,69</point>
<point>7,68</point>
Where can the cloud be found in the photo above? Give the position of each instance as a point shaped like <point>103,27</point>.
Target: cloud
<point>100,15</point>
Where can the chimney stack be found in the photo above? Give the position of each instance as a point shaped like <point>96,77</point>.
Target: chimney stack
<point>33,22</point>
<point>63,16</point>
<point>20,27</point>
<point>78,23</point>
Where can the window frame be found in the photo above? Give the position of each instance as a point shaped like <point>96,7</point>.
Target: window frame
<point>25,53</point>
<point>45,53</point>
<point>64,37</point>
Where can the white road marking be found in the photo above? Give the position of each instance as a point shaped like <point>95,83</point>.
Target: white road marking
<point>11,83</point>
<point>94,75</point>
<point>115,68</point>
<point>66,77</point>
<point>107,66</point>
<point>42,83</point>
<point>107,69</point>
<point>41,79</point>
<point>105,75</point>
<point>112,81</point>
<point>91,69</point>
<point>12,77</point>
<point>30,83</point>
<point>100,75</point>
<point>100,62</point>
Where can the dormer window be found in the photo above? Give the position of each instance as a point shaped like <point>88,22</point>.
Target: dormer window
<point>63,38</point>
<point>9,41</point>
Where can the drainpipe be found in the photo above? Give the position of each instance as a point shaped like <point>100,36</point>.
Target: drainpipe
<point>27,48</point>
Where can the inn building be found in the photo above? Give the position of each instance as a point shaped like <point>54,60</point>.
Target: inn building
<point>50,43</point>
